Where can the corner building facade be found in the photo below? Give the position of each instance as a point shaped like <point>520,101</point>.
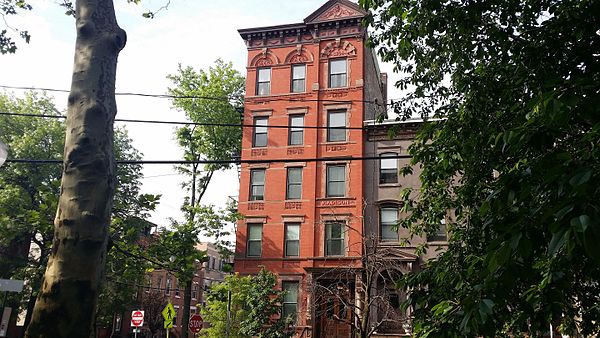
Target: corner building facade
<point>309,88</point>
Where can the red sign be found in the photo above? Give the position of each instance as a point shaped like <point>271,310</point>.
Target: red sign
<point>137,318</point>
<point>195,323</point>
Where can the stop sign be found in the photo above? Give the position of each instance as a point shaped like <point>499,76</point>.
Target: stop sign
<point>137,318</point>
<point>195,323</point>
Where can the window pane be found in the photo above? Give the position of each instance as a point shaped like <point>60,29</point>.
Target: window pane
<point>254,248</point>
<point>298,72</point>
<point>263,86</point>
<point>338,66</point>
<point>292,248</point>
<point>389,215</point>
<point>388,163</point>
<point>255,232</point>
<point>388,233</point>
<point>334,230</point>
<point>337,81</point>
<point>295,175</point>
<point>298,86</point>
<point>291,295</point>
<point>258,176</point>
<point>336,181</point>
<point>292,232</point>
<point>260,132</point>
<point>336,119</point>
<point>336,173</point>
<point>257,184</point>
<point>296,130</point>
<point>294,183</point>
<point>338,73</point>
<point>335,247</point>
<point>264,74</point>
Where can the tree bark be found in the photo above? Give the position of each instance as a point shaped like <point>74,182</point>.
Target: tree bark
<point>67,301</point>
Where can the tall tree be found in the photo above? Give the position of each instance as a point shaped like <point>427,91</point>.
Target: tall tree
<point>29,197</point>
<point>210,97</point>
<point>516,158</point>
<point>66,305</point>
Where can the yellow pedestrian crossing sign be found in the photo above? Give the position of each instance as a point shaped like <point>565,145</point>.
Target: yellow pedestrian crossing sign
<point>169,314</point>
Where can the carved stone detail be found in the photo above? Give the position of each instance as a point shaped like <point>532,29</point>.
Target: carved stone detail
<point>293,205</point>
<point>299,55</point>
<point>264,59</point>
<point>337,147</point>
<point>338,11</point>
<point>337,49</point>
<point>258,152</point>
<point>256,206</point>
<point>336,203</point>
<point>263,62</point>
<point>295,151</point>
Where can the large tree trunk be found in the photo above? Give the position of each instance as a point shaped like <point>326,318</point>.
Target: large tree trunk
<point>67,301</point>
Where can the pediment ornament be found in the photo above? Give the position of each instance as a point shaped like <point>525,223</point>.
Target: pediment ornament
<point>338,11</point>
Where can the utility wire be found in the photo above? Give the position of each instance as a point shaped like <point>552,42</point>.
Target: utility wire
<point>262,161</point>
<point>207,124</point>
<point>214,98</point>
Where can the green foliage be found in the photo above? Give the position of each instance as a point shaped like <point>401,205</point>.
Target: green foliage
<point>9,8</point>
<point>199,90</point>
<point>516,158</point>
<point>29,197</point>
<point>254,309</point>
<point>195,96</point>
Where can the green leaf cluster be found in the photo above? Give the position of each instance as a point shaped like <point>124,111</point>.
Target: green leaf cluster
<point>514,157</point>
<point>255,308</point>
<point>29,196</point>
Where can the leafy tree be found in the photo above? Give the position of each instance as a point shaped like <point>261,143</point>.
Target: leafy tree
<point>153,303</point>
<point>67,303</point>
<point>201,142</point>
<point>255,308</point>
<point>28,200</point>
<point>516,159</point>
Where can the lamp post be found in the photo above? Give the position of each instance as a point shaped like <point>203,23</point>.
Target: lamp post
<point>3,153</point>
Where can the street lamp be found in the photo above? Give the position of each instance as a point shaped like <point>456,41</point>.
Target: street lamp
<point>3,153</point>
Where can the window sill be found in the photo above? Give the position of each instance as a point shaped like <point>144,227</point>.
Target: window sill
<point>390,185</point>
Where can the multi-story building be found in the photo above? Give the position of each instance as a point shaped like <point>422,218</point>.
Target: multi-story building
<point>391,247</point>
<point>303,197</point>
<point>162,283</point>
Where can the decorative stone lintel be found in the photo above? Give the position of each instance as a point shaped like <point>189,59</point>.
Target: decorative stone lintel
<point>337,202</point>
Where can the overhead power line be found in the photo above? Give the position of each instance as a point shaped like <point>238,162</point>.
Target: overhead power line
<point>262,161</point>
<point>205,124</point>
<point>214,98</point>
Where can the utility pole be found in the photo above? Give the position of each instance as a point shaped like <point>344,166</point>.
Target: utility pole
<point>228,313</point>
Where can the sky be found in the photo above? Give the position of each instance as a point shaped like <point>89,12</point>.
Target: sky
<point>188,32</point>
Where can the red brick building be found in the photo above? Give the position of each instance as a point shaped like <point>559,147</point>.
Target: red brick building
<point>303,205</point>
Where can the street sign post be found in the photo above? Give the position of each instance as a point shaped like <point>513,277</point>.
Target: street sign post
<point>11,285</point>
<point>8,285</point>
<point>137,320</point>
<point>4,321</point>
<point>195,324</point>
<point>169,315</point>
